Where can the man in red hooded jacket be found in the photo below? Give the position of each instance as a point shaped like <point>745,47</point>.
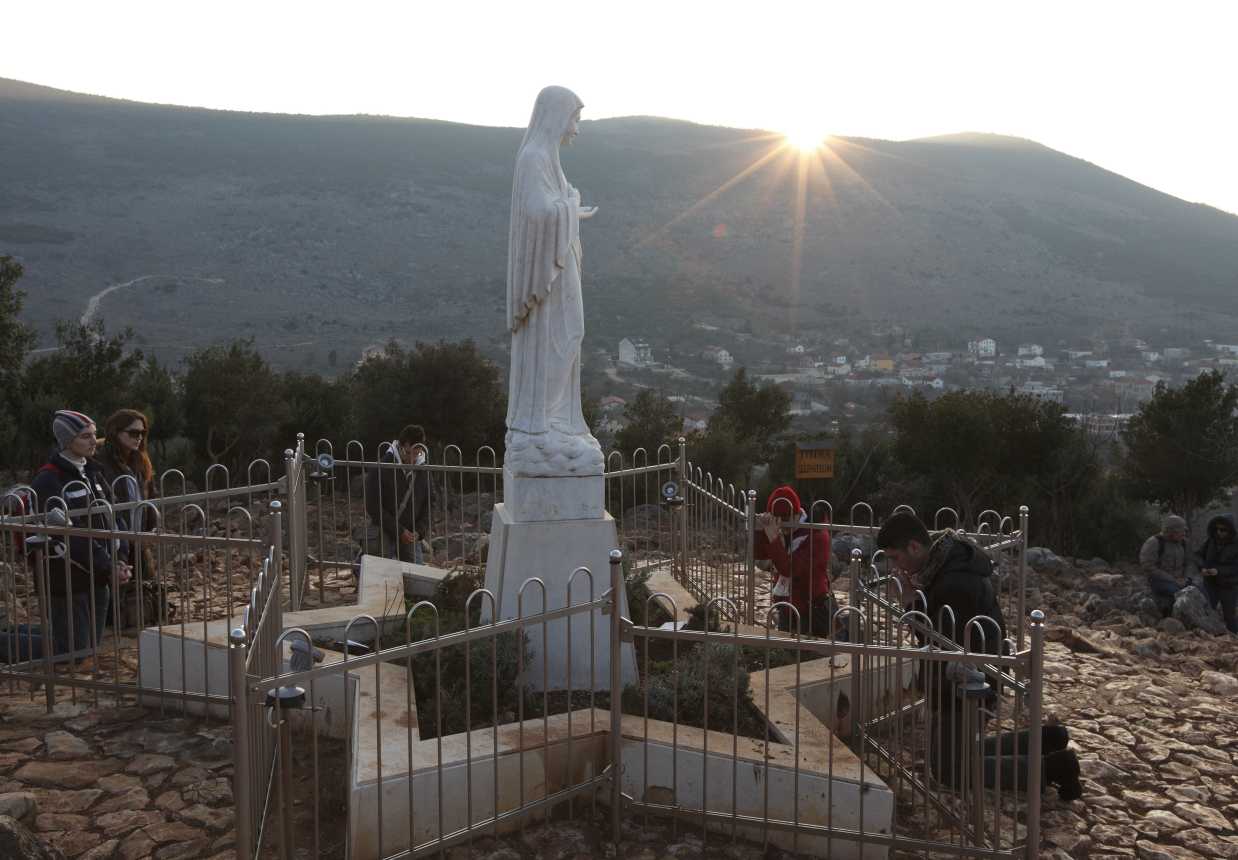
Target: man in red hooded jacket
<point>801,559</point>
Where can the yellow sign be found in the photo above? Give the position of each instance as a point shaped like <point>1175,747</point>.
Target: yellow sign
<point>814,461</point>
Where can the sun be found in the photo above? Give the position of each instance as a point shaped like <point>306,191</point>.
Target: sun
<point>806,138</point>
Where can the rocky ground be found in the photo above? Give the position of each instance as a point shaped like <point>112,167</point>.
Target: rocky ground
<point>113,783</point>
<point>1152,707</point>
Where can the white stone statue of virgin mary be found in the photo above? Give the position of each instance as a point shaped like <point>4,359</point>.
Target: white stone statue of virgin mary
<point>546,431</point>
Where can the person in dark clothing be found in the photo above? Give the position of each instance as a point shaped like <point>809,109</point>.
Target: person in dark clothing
<point>954,572</point>
<point>1218,566</point>
<point>130,476</point>
<point>127,469</point>
<point>397,500</point>
<point>79,569</point>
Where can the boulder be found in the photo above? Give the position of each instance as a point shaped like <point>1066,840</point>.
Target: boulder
<point>1220,683</point>
<point>18,843</point>
<point>1043,558</point>
<point>1192,609</point>
<point>19,805</point>
<point>1171,625</point>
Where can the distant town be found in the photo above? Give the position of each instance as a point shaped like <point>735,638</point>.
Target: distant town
<point>842,380</point>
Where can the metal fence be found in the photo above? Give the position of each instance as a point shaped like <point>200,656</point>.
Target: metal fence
<point>331,521</point>
<point>866,738</point>
<point>894,741</point>
<point>88,594</point>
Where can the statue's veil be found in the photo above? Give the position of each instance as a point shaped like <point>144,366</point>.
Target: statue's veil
<point>543,221</point>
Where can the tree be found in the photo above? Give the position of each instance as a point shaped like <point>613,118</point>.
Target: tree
<point>650,422</point>
<point>88,371</point>
<point>233,405</point>
<point>752,418</point>
<point>1182,445</point>
<point>156,392</point>
<point>973,450</point>
<point>16,338</point>
<point>320,408</point>
<point>450,389</point>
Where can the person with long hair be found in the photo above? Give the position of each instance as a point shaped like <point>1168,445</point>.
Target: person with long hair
<point>123,456</point>
<point>127,468</point>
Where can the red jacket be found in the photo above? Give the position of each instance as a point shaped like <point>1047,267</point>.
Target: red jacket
<point>808,566</point>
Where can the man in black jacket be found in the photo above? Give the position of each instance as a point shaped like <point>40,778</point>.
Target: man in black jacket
<point>397,499</point>
<point>1217,560</point>
<point>79,569</point>
<point>956,577</point>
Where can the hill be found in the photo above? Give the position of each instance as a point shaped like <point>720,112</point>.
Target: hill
<point>323,235</point>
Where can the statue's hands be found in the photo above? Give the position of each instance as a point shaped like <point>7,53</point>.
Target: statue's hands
<point>586,212</point>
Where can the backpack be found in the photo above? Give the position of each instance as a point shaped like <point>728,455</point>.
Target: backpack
<point>20,500</point>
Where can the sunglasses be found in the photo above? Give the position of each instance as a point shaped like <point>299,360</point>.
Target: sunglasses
<point>135,434</point>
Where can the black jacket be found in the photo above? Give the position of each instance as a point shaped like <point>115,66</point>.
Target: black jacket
<point>1222,556</point>
<point>386,490</point>
<point>88,561</point>
<point>959,574</point>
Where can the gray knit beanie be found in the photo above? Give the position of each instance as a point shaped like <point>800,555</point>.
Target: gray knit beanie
<point>66,424</point>
<point>1173,522</point>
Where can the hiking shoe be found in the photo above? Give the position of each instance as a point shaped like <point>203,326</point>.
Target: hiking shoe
<point>1061,770</point>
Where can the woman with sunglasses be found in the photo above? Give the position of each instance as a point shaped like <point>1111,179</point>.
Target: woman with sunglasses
<point>127,468</point>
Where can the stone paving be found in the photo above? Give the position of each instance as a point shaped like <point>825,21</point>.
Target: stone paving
<point>1152,709</point>
<point>105,783</point>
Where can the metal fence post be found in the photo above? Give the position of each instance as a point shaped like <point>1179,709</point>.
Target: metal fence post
<point>275,535</point>
<point>750,513</point>
<point>300,550</point>
<point>616,694</point>
<point>242,778</point>
<point>292,472</point>
<point>1035,692</point>
<point>1021,600</point>
<point>681,525</point>
<point>855,634</point>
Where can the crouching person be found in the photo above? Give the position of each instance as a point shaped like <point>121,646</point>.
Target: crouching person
<point>954,572</point>
<point>79,570</point>
<point>1163,560</point>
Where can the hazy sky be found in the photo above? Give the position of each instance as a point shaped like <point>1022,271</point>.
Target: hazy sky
<point>1145,89</point>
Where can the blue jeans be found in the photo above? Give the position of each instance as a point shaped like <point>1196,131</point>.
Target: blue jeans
<point>1164,590</point>
<point>1227,596</point>
<point>27,641</point>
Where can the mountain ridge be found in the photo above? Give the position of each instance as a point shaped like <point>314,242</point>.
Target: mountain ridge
<point>356,228</point>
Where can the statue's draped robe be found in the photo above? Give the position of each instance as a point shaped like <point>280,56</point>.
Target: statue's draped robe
<point>545,311</point>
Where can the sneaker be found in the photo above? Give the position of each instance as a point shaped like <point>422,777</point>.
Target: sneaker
<point>1061,770</point>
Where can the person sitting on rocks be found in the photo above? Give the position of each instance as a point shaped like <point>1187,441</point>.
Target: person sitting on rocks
<point>1218,564</point>
<point>952,571</point>
<point>1163,558</point>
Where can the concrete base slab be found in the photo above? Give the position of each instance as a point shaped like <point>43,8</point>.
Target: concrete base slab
<point>530,500</point>
<point>551,552</point>
<point>421,580</point>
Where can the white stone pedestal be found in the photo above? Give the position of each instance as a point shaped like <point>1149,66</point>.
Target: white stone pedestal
<point>551,550</point>
<point>530,500</point>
